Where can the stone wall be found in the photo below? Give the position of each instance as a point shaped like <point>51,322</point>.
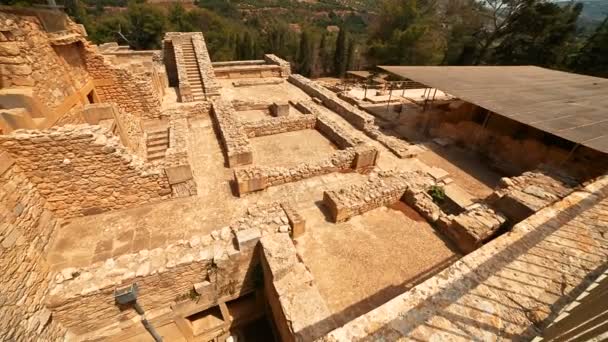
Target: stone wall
<point>221,264</point>
<point>384,188</point>
<point>257,82</point>
<point>134,92</point>
<point>210,84</point>
<point>283,64</point>
<point>299,311</point>
<point>353,115</point>
<point>43,73</point>
<point>25,230</point>
<point>468,231</point>
<point>278,125</point>
<point>83,170</point>
<point>29,59</point>
<point>232,134</point>
<point>521,196</point>
<point>361,158</point>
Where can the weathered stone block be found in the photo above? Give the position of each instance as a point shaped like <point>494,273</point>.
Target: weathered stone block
<point>178,174</point>
<point>280,109</point>
<point>248,238</point>
<point>365,158</point>
<point>337,213</point>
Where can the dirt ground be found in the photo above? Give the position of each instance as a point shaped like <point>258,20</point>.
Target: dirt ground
<point>365,262</point>
<point>466,170</point>
<point>291,148</point>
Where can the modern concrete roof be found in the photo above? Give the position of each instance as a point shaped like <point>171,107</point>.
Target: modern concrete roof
<point>571,106</point>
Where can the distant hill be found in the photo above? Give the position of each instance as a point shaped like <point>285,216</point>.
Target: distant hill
<point>594,10</point>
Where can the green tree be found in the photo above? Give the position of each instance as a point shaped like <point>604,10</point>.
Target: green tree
<point>179,19</point>
<point>147,25</point>
<point>305,54</point>
<point>350,60</point>
<point>76,10</point>
<point>406,32</point>
<point>592,58</point>
<point>540,35</point>
<point>341,54</point>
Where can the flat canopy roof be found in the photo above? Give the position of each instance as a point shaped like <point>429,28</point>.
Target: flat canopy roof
<point>570,106</point>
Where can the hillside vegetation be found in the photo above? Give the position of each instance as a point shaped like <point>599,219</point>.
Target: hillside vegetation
<point>329,37</point>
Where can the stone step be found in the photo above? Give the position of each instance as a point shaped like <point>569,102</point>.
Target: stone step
<point>157,132</point>
<point>155,138</point>
<point>156,157</point>
<point>158,142</point>
<point>157,149</point>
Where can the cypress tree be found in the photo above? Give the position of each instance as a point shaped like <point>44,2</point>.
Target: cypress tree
<point>305,55</point>
<point>340,57</point>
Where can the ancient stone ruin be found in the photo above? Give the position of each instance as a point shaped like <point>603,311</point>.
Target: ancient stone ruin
<point>159,195</point>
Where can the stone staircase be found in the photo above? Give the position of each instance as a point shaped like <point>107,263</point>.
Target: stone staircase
<point>157,143</point>
<point>193,72</point>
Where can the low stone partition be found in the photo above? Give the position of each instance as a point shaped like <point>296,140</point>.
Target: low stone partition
<point>232,134</point>
<point>520,197</point>
<point>472,228</point>
<point>236,63</point>
<point>284,65</point>
<point>240,105</point>
<point>199,271</point>
<point>384,188</point>
<point>257,82</point>
<point>299,311</point>
<point>468,231</point>
<point>278,125</point>
<point>326,126</point>
<point>84,170</point>
<point>356,117</point>
<point>271,67</point>
<point>361,158</point>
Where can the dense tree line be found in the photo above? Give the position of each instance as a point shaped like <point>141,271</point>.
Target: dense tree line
<point>404,32</point>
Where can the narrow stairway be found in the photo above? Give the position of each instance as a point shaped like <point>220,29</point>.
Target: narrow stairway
<point>157,143</point>
<point>192,71</point>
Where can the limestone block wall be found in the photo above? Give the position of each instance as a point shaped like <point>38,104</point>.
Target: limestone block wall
<point>283,64</point>
<point>381,189</point>
<point>82,299</point>
<point>133,92</point>
<point>255,178</point>
<point>300,313</point>
<point>210,84</point>
<point>232,134</point>
<point>83,170</point>
<point>278,125</point>
<point>521,196</point>
<point>26,227</point>
<point>29,59</point>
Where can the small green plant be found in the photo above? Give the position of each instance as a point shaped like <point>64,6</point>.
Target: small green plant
<point>437,193</point>
<point>193,295</point>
